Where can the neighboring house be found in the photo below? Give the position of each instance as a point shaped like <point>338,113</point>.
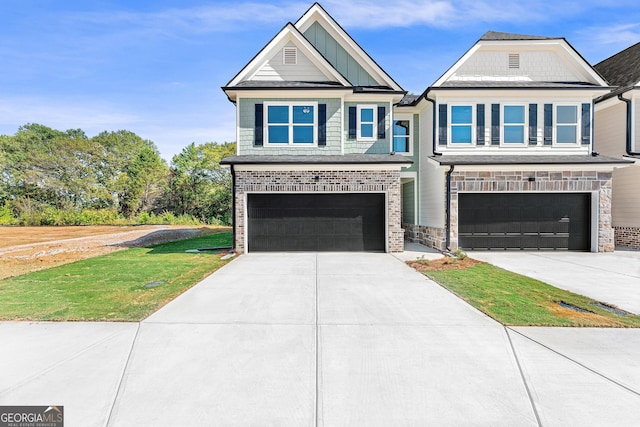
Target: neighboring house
<point>315,168</point>
<point>497,154</point>
<point>618,134</point>
<point>506,158</point>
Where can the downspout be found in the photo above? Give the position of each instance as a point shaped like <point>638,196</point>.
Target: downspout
<point>448,209</point>
<point>233,207</point>
<point>433,127</point>
<point>629,121</point>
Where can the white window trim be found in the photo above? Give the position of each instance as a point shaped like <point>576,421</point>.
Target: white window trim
<point>408,117</point>
<point>359,136</point>
<point>525,130</point>
<point>450,125</point>
<point>265,123</point>
<point>578,107</point>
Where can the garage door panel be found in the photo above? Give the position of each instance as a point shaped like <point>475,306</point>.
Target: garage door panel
<point>541,221</point>
<point>316,222</point>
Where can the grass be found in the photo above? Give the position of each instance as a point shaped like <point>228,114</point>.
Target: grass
<point>111,287</point>
<point>517,300</point>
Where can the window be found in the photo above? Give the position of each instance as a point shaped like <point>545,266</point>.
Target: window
<point>291,123</point>
<point>514,124</point>
<point>566,124</point>
<point>367,123</point>
<point>402,135</point>
<point>461,124</point>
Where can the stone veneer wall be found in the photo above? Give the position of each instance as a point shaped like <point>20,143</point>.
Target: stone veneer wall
<point>365,181</point>
<point>545,181</point>
<point>429,236</point>
<point>628,237</point>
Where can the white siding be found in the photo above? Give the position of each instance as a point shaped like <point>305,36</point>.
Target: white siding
<point>534,66</point>
<point>626,197</point>
<point>611,130</point>
<point>432,195</point>
<point>275,70</point>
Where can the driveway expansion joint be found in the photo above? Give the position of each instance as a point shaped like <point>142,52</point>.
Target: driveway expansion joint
<point>582,365</point>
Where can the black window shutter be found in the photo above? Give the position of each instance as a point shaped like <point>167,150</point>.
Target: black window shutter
<point>257,131</point>
<point>322,124</point>
<point>533,124</point>
<point>353,118</point>
<point>495,124</point>
<point>548,124</point>
<point>586,124</point>
<point>442,124</point>
<point>480,124</point>
<point>382,115</point>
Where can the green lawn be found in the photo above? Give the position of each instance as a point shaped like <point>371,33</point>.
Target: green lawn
<point>516,300</point>
<point>111,287</point>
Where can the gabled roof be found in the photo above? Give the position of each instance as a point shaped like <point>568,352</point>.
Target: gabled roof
<point>316,13</point>
<point>288,34</point>
<point>623,68</point>
<point>496,35</point>
<point>494,38</point>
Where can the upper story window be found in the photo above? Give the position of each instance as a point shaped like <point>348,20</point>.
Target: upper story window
<point>293,123</point>
<point>402,134</point>
<point>367,122</point>
<point>461,124</point>
<point>514,124</point>
<point>566,124</point>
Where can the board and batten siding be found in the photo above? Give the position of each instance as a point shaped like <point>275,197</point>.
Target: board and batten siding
<point>377,146</point>
<point>611,130</point>
<point>625,206</point>
<point>408,202</point>
<point>275,69</point>
<point>636,124</point>
<point>415,140</point>
<point>544,66</point>
<point>338,56</point>
<point>246,108</point>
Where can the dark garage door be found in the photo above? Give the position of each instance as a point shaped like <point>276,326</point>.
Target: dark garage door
<point>551,221</point>
<point>316,222</point>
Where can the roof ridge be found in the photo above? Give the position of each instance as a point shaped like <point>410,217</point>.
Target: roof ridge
<point>500,35</point>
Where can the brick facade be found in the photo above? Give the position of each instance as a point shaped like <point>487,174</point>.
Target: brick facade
<point>545,181</point>
<point>628,237</point>
<point>292,181</point>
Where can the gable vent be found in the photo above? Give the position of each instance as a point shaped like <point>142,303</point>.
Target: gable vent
<point>290,55</point>
<point>514,60</point>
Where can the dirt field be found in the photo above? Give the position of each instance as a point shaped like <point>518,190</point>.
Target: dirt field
<point>27,249</point>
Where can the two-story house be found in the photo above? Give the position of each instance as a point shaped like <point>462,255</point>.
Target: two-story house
<point>618,134</point>
<point>496,154</point>
<point>315,169</point>
<point>507,159</point>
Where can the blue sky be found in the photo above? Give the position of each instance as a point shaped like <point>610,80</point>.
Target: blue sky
<point>156,67</point>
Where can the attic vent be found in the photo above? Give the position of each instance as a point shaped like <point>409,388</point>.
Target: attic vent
<point>290,55</point>
<point>514,60</point>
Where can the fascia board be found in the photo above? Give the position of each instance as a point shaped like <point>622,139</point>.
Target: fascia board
<point>317,13</point>
<point>456,65</point>
<point>517,92</point>
<point>287,93</point>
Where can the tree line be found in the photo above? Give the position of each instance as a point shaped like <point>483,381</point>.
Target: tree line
<point>53,177</point>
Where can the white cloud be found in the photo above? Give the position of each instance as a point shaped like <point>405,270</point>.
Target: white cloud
<point>622,34</point>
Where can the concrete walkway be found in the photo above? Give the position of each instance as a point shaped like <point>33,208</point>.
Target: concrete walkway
<point>613,278</point>
<point>327,340</point>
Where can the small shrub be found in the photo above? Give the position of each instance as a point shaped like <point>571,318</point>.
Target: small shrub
<point>460,254</point>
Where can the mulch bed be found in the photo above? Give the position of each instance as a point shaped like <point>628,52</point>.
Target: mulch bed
<point>446,263</point>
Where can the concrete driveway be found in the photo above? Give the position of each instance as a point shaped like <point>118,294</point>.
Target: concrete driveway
<point>327,340</point>
<point>613,277</point>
